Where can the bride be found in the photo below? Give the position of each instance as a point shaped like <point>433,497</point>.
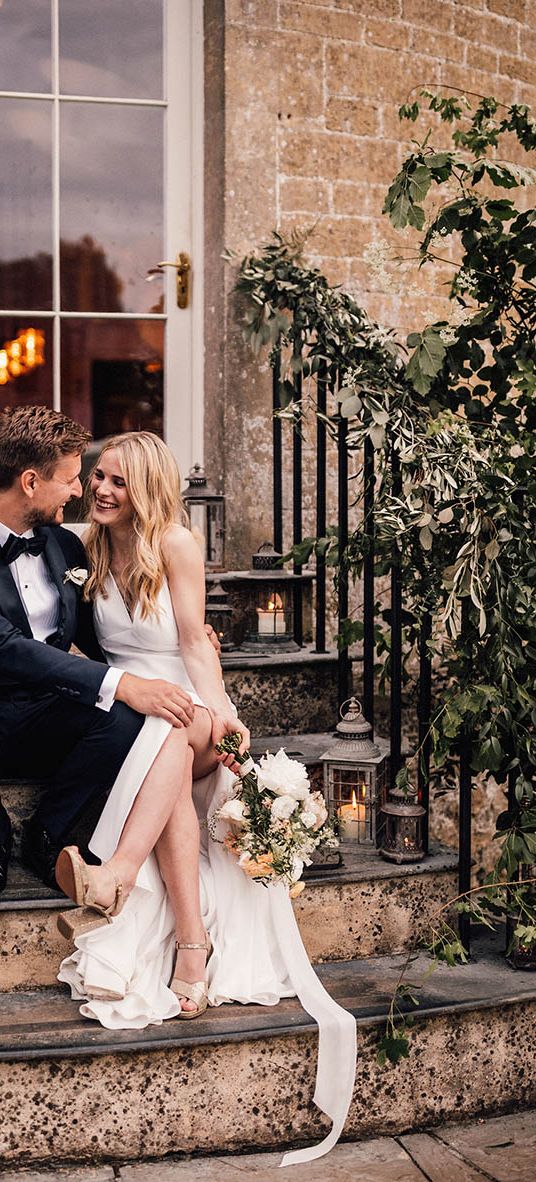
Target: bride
<point>170,923</point>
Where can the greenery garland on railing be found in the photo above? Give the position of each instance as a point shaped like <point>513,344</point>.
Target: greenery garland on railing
<point>461,414</point>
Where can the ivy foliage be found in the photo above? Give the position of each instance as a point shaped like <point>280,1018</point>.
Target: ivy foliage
<point>459,417</point>
<point>488,365</point>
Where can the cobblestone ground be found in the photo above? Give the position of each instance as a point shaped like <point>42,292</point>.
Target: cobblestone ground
<point>502,1149</point>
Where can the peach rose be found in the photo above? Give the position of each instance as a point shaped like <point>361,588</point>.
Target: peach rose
<point>260,867</point>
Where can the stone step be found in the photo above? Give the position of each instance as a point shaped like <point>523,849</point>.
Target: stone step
<point>365,907</point>
<point>242,1077</point>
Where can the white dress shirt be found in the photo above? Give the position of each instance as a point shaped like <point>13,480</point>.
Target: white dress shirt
<point>41,601</point>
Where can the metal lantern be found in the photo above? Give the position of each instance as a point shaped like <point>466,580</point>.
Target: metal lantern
<point>270,612</point>
<point>402,832</point>
<point>206,512</point>
<point>355,774</point>
<point>220,615</point>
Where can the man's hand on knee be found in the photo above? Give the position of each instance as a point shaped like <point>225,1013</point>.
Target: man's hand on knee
<point>160,698</point>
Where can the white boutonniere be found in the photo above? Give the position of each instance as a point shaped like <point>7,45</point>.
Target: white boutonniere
<point>77,575</point>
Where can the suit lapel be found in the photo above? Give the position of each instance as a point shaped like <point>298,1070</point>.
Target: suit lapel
<point>11,605</point>
<point>68,598</point>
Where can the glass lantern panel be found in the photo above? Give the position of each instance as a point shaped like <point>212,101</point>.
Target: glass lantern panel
<point>347,782</point>
<point>214,534</point>
<point>351,798</point>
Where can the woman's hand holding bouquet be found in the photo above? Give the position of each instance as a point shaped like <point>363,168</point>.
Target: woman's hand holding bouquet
<point>275,821</point>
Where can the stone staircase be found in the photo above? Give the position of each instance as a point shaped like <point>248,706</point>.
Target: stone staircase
<point>242,1077</point>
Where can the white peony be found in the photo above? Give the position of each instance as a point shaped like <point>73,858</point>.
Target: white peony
<point>232,810</point>
<point>308,818</point>
<point>283,807</point>
<point>284,776</point>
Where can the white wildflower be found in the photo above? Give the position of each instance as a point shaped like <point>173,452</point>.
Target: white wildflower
<point>297,869</point>
<point>316,804</point>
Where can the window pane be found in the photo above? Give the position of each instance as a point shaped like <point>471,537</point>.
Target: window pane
<point>25,362</point>
<point>111,50</point>
<point>25,45</point>
<point>111,214</point>
<point>25,204</point>
<point>112,374</point>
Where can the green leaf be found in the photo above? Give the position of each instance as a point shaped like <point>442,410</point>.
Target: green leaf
<point>351,406</point>
<point>420,182</point>
<point>427,360</point>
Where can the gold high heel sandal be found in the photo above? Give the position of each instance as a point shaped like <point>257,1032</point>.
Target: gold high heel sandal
<point>195,991</point>
<point>73,878</point>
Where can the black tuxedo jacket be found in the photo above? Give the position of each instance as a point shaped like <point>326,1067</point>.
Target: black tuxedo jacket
<point>30,664</point>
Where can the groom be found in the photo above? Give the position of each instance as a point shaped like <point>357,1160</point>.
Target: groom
<point>69,719</point>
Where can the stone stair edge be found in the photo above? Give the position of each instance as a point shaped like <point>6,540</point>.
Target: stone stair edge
<point>302,1025</point>
<point>485,984</point>
<point>441,859</point>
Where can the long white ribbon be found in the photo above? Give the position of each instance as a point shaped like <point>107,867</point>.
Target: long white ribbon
<point>246,767</point>
<point>337,1045</point>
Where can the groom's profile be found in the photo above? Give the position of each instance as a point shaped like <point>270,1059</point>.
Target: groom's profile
<point>63,717</point>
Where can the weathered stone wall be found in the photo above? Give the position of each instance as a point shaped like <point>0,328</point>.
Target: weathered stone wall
<point>302,124</point>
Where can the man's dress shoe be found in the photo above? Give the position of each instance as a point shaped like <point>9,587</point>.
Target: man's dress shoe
<point>38,852</point>
<point>5,845</point>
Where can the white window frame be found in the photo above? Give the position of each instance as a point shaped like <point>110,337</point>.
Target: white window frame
<point>183,224</point>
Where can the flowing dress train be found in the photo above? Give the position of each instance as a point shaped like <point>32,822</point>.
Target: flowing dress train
<point>258,955</point>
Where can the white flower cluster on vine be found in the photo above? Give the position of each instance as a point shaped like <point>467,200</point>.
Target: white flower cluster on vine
<point>388,270</point>
<point>460,316</point>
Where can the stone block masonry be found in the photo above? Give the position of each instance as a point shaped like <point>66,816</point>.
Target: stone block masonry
<point>309,92</point>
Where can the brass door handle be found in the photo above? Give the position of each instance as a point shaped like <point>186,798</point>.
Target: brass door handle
<point>183,267</point>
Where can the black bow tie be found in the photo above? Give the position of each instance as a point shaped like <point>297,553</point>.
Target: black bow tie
<point>14,547</point>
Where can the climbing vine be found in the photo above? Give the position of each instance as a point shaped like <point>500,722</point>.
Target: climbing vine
<point>456,404</point>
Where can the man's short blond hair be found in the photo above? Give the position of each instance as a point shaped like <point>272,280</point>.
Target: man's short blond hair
<point>36,437</point>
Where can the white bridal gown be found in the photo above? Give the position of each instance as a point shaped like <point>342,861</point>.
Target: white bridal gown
<point>258,954</point>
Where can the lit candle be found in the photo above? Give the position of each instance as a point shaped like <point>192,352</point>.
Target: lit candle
<point>271,622</point>
<point>353,818</point>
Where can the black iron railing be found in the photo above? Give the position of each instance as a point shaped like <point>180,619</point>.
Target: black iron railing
<point>322,390</point>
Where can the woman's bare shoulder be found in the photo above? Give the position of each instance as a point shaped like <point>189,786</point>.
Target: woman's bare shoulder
<point>178,544</point>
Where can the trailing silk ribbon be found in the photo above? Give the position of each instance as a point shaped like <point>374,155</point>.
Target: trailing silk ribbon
<point>337,1046</point>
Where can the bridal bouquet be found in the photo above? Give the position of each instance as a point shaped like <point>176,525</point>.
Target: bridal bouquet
<point>275,821</point>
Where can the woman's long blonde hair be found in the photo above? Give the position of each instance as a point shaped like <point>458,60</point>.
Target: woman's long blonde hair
<point>152,482</point>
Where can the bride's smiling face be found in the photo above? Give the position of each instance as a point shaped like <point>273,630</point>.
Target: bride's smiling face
<point>111,503</point>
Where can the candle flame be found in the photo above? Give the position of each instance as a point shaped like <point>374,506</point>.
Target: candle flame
<point>275,604</point>
<point>354,799</point>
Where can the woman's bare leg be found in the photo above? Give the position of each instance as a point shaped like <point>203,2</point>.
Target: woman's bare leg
<point>177,851</point>
<point>169,777</point>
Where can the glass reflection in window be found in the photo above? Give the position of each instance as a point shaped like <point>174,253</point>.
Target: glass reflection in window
<point>25,203</point>
<point>111,213</point>
<point>111,50</point>
<point>25,362</point>
<point>25,45</point>
<point>112,374</point>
